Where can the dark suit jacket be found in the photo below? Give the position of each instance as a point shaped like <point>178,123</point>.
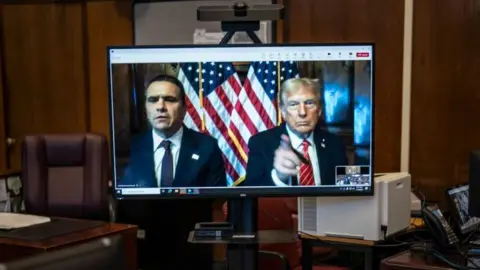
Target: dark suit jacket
<point>262,148</point>
<point>207,170</point>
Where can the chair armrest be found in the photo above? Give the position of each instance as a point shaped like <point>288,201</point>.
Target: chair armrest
<point>275,255</point>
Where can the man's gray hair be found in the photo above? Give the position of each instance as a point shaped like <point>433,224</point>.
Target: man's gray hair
<point>294,84</point>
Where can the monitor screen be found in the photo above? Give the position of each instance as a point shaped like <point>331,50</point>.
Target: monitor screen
<point>458,199</point>
<point>241,120</point>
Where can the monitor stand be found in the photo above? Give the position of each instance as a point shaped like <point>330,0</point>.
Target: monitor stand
<point>242,212</point>
<point>243,247</point>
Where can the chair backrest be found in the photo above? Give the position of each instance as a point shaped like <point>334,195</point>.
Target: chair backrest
<point>272,260</point>
<point>66,175</point>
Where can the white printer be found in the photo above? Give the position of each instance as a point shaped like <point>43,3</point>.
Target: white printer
<point>360,217</point>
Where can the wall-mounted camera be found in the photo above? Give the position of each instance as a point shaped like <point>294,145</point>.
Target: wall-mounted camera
<point>240,12</point>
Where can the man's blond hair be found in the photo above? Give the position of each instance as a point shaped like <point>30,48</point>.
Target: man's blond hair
<point>294,84</point>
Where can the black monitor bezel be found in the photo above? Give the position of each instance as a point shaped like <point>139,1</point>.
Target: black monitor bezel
<point>241,192</point>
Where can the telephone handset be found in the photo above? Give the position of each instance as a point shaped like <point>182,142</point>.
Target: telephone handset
<point>440,229</point>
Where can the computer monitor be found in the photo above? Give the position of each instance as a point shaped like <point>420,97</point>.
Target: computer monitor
<point>231,94</point>
<point>458,199</point>
<point>105,253</point>
<point>474,184</point>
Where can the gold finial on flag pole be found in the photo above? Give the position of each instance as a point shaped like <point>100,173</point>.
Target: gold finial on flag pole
<point>279,85</point>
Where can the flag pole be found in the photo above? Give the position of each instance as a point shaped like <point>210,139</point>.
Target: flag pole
<point>200,94</point>
<point>279,85</point>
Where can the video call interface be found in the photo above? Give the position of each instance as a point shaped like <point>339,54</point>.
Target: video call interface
<point>237,98</point>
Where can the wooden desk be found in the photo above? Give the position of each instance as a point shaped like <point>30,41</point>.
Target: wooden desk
<point>405,260</point>
<point>356,245</point>
<point>13,249</point>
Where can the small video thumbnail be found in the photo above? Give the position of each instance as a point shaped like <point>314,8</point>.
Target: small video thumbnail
<point>352,176</point>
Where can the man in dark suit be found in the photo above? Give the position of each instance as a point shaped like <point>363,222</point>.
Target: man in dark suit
<point>170,154</point>
<point>274,154</point>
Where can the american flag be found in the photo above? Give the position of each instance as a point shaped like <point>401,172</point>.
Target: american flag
<point>288,70</point>
<point>188,75</point>
<point>232,113</point>
<point>209,107</point>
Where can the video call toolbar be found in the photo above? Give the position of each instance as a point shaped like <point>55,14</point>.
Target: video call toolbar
<point>148,55</point>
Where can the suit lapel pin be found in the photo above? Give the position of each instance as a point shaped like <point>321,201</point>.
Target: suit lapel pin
<point>195,156</point>
<point>323,143</point>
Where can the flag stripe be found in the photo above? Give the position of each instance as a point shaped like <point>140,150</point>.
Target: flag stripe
<point>229,168</point>
<point>239,142</point>
<point>270,112</point>
<point>219,125</point>
<point>257,104</point>
<point>192,102</point>
<point>247,121</point>
<point>235,84</point>
<point>194,116</point>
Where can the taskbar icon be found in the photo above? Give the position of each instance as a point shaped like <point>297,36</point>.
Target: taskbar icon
<point>180,191</point>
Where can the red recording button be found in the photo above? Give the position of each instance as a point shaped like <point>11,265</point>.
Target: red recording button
<point>362,54</point>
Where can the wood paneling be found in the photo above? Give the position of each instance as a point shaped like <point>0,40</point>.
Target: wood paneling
<point>445,93</point>
<point>108,23</point>
<point>55,67</point>
<point>375,21</point>
<point>44,71</point>
<point>279,29</point>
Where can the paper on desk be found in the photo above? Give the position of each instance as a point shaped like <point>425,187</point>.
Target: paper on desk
<point>10,221</point>
<point>3,190</point>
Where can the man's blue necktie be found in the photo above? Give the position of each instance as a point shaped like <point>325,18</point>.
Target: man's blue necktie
<point>167,165</point>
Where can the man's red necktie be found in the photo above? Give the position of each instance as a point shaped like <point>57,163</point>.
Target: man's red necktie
<point>306,170</point>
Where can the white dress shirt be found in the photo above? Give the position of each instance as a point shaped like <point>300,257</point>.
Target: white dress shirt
<point>312,153</point>
<point>159,151</point>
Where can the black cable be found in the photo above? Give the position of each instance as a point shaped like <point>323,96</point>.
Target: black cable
<point>471,234</point>
<point>437,253</point>
<point>439,256</point>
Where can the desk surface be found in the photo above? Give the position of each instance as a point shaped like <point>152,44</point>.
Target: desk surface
<point>405,260</point>
<point>337,239</point>
<point>80,236</point>
<point>13,249</point>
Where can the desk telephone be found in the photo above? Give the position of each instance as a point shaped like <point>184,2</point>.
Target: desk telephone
<point>441,230</point>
